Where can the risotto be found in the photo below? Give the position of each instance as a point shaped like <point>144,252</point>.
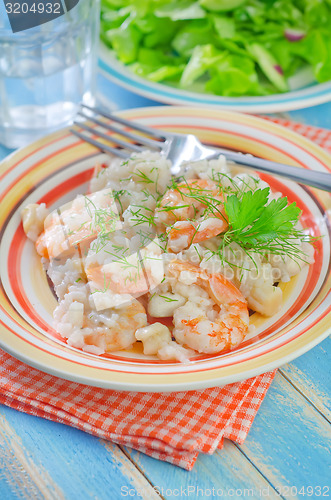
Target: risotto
<point>174,263</point>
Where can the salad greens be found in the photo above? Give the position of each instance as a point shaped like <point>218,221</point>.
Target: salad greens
<point>224,47</point>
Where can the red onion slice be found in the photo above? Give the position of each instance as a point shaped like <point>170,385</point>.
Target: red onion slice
<point>294,35</point>
<point>279,69</point>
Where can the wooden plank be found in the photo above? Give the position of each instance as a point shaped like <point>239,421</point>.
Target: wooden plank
<point>76,463</point>
<point>311,376</point>
<point>138,481</point>
<point>58,448</point>
<point>287,435</point>
<point>72,464</point>
<point>22,475</point>
<point>319,116</point>
<point>228,471</point>
<point>4,152</point>
<point>290,441</point>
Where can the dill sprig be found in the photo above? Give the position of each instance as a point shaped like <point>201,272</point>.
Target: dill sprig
<point>139,176</point>
<point>118,198</point>
<point>192,194</point>
<point>262,227</point>
<point>168,299</point>
<point>139,217</point>
<point>103,223</point>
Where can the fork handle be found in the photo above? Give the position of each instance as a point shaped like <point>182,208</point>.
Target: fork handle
<point>320,180</point>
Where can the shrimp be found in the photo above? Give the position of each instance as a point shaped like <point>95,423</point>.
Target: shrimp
<point>94,331</point>
<point>33,216</point>
<point>77,224</point>
<point>121,333</point>
<point>209,325</point>
<point>123,272</point>
<point>193,212</point>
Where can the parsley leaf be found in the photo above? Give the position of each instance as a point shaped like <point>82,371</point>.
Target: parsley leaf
<point>253,220</point>
<point>243,212</point>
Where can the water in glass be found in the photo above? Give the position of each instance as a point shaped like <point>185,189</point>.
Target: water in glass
<point>45,72</point>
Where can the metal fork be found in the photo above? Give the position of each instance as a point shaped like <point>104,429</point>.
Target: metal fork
<point>180,147</point>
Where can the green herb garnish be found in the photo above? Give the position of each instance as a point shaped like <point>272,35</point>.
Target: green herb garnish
<point>168,299</point>
<point>252,220</point>
<point>262,227</point>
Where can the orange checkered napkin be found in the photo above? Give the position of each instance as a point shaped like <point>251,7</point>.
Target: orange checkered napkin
<point>169,426</point>
<point>172,426</point>
<point>320,136</point>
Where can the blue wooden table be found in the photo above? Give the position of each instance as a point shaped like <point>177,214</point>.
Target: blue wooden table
<point>286,454</point>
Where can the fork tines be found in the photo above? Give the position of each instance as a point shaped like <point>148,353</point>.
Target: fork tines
<point>119,135</point>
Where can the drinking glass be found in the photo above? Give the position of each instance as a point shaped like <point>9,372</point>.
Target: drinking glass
<point>46,71</point>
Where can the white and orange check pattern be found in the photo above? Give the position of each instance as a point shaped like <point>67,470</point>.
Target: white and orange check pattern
<point>174,427</point>
<point>320,136</point>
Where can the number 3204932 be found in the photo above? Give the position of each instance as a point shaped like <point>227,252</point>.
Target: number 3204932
<point>35,8</point>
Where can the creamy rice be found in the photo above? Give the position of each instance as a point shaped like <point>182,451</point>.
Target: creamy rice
<point>106,254</point>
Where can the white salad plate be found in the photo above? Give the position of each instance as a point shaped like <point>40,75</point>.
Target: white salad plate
<point>118,73</point>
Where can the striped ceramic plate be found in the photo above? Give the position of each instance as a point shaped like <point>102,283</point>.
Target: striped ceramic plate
<point>57,167</point>
<point>296,99</point>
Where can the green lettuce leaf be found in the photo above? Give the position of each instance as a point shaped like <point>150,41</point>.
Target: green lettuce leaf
<point>221,5</point>
<point>179,11</point>
<point>268,64</point>
<point>234,76</point>
<point>125,41</point>
<point>225,27</point>
<point>203,57</point>
<point>192,35</point>
<point>228,47</point>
